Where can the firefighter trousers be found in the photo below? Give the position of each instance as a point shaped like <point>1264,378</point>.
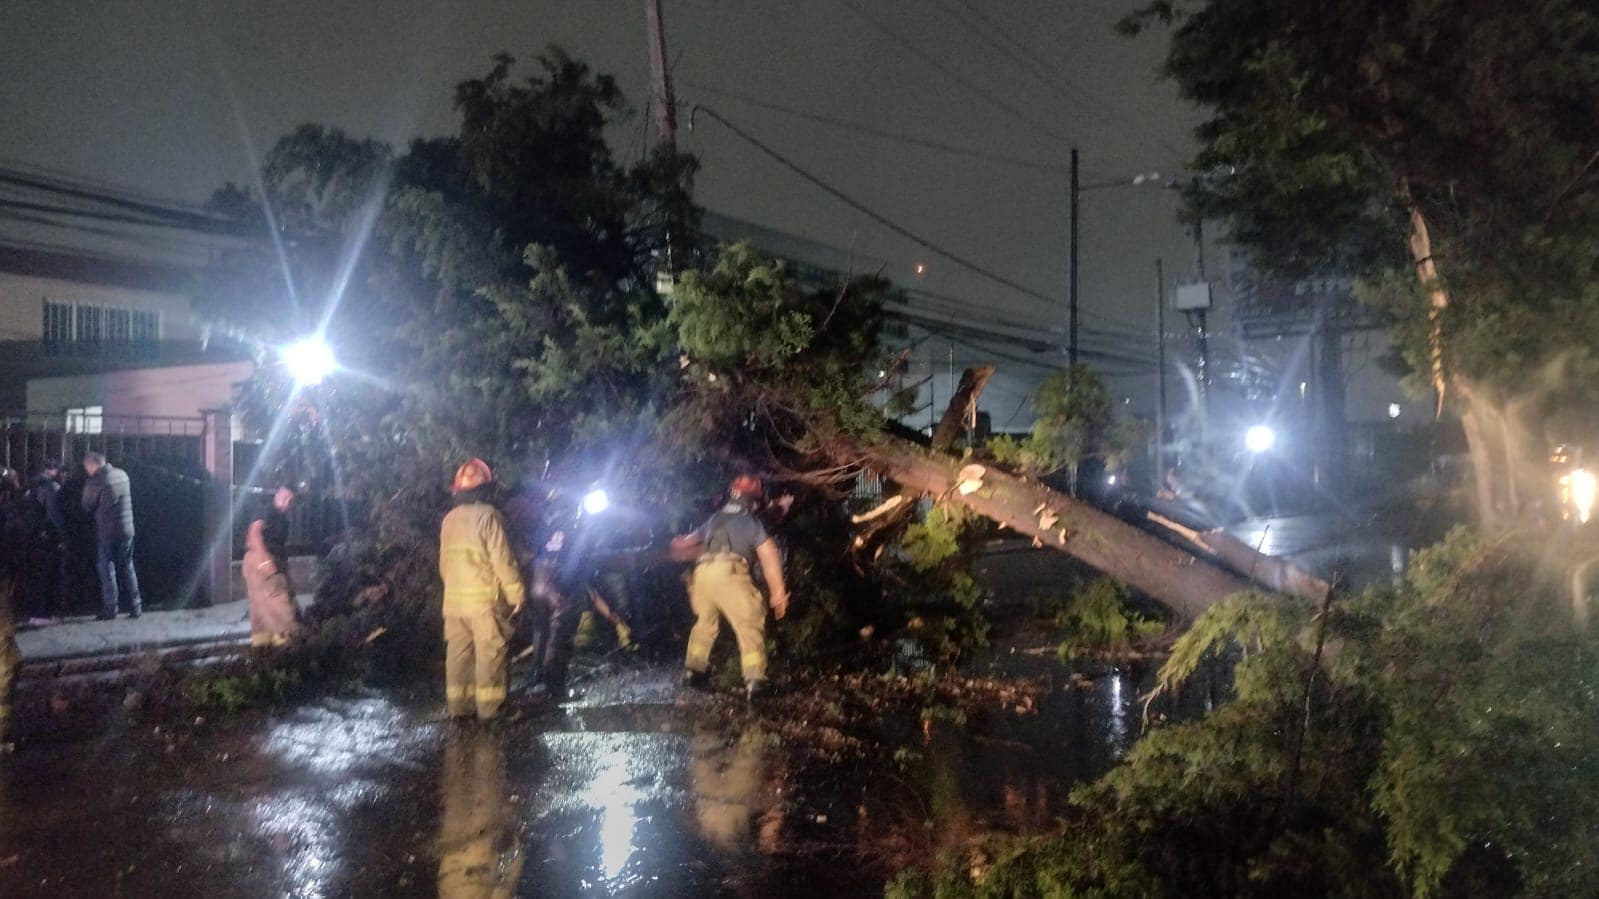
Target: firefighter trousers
<point>475,659</point>
<point>721,588</point>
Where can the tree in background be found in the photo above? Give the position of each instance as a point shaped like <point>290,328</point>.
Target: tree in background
<point>1444,151</point>
<point>488,293</point>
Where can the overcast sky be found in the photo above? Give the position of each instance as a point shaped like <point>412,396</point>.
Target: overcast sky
<point>169,97</point>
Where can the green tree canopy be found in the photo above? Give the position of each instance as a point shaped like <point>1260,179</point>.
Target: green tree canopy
<point>1330,123</point>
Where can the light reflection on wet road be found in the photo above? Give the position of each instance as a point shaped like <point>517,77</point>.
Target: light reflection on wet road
<point>633,791</point>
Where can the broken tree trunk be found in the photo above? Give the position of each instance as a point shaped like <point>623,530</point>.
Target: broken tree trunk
<point>1276,574</point>
<point>887,518</point>
<point>1185,583</point>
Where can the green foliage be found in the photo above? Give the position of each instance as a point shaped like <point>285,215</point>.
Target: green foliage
<point>1074,420</point>
<point>1444,745</point>
<point>1330,122</point>
<point>932,578</point>
<point>1100,619</point>
<point>314,661</point>
<point>775,369</point>
<point>935,538</point>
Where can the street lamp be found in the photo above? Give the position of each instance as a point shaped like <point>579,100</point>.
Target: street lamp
<point>308,360</point>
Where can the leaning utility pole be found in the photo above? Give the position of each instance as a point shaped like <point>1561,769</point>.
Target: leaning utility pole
<point>1076,189</point>
<point>661,78</point>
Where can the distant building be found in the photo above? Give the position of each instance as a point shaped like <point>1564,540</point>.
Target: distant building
<point>89,335</point>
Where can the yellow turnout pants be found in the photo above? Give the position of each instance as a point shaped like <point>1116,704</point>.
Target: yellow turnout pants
<point>474,659</point>
<point>721,588</point>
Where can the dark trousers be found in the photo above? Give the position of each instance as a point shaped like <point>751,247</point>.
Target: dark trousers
<point>45,575</point>
<point>114,561</point>
<point>557,609</point>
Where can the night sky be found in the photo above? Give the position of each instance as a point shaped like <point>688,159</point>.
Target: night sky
<point>167,97</point>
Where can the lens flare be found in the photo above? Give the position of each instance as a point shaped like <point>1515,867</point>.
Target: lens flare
<point>596,501</point>
<point>308,360</point>
<point>1260,439</point>
<point>1582,486</point>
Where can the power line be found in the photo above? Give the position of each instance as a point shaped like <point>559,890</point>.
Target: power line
<point>990,352</point>
<point>1116,330</point>
<point>1044,67</point>
<point>870,213</point>
<point>110,188</point>
<point>1120,354</point>
<point>166,214</point>
<point>933,62</point>
<point>847,125</point>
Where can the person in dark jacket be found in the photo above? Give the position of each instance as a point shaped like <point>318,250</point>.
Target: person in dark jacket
<point>46,538</point>
<point>108,498</point>
<point>13,526</point>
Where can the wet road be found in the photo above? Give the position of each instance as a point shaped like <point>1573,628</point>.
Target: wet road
<point>635,791</point>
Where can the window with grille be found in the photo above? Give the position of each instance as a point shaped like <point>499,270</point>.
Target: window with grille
<point>89,324</point>
<point>146,327</point>
<point>86,323</point>
<point>86,420</point>
<point>57,322</point>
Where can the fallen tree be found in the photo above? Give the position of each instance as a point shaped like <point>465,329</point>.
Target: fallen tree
<point>1179,579</point>
<point>761,388</point>
<point>546,344</point>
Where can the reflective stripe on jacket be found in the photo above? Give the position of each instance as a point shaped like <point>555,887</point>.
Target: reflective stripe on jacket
<point>475,560</point>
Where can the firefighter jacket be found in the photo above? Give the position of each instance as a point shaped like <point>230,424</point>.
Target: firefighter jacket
<point>476,562</point>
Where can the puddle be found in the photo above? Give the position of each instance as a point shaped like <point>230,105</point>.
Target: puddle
<point>634,790</point>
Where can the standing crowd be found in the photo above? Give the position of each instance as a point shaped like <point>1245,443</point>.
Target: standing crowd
<point>489,576</point>
<point>38,555</point>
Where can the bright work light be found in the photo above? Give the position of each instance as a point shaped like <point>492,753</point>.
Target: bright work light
<point>596,501</point>
<point>308,360</point>
<point>1260,439</point>
<point>1583,487</point>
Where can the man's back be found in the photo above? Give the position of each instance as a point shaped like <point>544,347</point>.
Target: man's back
<point>108,496</point>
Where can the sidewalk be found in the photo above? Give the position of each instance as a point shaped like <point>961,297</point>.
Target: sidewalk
<point>80,636</point>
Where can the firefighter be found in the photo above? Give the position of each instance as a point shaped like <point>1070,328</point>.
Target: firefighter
<point>721,586</point>
<point>482,590</point>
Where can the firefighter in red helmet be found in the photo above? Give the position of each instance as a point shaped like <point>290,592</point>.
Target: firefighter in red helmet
<point>482,590</point>
<point>721,586</point>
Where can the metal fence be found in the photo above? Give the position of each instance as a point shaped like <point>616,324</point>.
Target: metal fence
<point>32,438</point>
<point>165,461</point>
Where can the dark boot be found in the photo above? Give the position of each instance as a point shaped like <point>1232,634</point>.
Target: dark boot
<point>757,690</point>
<point>696,680</point>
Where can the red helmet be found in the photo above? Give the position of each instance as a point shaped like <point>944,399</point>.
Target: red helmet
<point>472,473</point>
<point>746,485</point>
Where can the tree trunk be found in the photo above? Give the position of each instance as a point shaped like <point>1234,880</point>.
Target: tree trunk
<point>889,518</point>
<point>1437,297</point>
<point>962,407</point>
<point>1185,583</point>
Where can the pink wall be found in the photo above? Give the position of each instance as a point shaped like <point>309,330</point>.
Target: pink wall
<point>176,391</point>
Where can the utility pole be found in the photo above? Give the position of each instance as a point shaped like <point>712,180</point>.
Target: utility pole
<point>1160,374</point>
<point>666,119</point>
<point>1204,333</point>
<point>661,78</point>
<point>1072,264</point>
